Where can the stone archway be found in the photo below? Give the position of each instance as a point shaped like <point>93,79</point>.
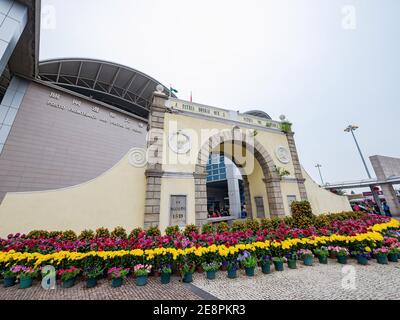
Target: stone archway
<point>271,177</point>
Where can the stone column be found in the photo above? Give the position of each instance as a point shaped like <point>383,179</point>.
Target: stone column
<point>391,199</point>
<point>275,199</point>
<point>154,171</point>
<point>297,167</point>
<point>233,191</point>
<point>200,183</point>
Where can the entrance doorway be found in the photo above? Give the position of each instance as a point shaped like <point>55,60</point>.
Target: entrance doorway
<point>225,188</point>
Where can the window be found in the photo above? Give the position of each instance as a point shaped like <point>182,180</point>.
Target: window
<point>260,207</point>
<point>291,199</point>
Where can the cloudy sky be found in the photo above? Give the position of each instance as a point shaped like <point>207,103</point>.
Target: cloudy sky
<point>324,64</point>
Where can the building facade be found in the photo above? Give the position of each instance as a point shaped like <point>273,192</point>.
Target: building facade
<point>88,143</point>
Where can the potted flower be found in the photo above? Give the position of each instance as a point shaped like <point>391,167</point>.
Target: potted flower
<point>211,269</point>
<point>291,260</point>
<point>91,274</point>
<point>68,276</point>
<point>118,275</point>
<point>340,253</point>
<point>393,255</point>
<point>361,256</point>
<point>381,255</point>
<point>10,276</point>
<point>187,270</point>
<point>266,264</point>
<point>141,272</point>
<point>26,276</point>
<point>278,263</point>
<point>307,256</point>
<point>248,262</point>
<point>322,255</point>
<point>232,268</point>
<point>165,272</point>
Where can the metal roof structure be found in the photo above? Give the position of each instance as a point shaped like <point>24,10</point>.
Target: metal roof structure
<point>259,113</point>
<point>361,183</point>
<point>111,83</point>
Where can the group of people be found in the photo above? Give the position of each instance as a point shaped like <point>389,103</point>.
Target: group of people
<point>372,207</point>
<point>218,214</point>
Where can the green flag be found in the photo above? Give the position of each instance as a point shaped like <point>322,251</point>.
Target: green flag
<point>173,90</point>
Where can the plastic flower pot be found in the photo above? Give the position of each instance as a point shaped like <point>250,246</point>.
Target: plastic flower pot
<point>141,281</point>
<point>308,261</point>
<point>68,283</point>
<point>393,257</point>
<point>116,282</point>
<point>232,273</point>
<point>91,282</point>
<point>9,282</point>
<point>266,267</point>
<point>250,272</point>
<point>25,283</point>
<point>278,265</point>
<point>211,275</point>
<point>323,259</point>
<point>292,264</point>
<point>165,278</point>
<point>362,260</point>
<point>188,277</point>
<point>342,259</point>
<point>382,259</point>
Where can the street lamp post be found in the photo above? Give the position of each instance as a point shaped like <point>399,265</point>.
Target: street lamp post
<point>320,174</point>
<point>352,128</point>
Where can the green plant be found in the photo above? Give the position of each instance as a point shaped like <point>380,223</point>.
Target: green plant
<point>282,172</point>
<point>322,252</point>
<point>119,233</point>
<point>212,266</point>
<point>153,231</point>
<point>189,229</point>
<point>289,221</point>
<point>38,234</point>
<point>286,126</point>
<point>166,269</point>
<point>172,230</point>
<point>141,270</point>
<point>187,268</point>
<point>55,234</point>
<point>93,271</point>
<point>87,235</point>
<point>207,228</point>
<point>102,233</point>
<point>68,274</point>
<point>239,226</point>
<point>247,260</point>
<point>222,227</point>
<point>252,224</point>
<point>302,214</point>
<point>135,233</point>
<point>69,235</point>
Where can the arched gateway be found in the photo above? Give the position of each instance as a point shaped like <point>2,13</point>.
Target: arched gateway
<point>170,177</point>
<point>260,154</point>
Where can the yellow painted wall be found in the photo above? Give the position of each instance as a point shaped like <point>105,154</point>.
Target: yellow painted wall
<point>116,198</point>
<point>258,189</point>
<point>289,188</point>
<point>177,186</point>
<point>324,201</point>
<point>193,126</point>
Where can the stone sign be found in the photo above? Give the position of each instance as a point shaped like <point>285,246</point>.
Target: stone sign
<point>178,211</point>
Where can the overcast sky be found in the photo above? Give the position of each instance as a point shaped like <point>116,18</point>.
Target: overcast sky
<point>324,64</point>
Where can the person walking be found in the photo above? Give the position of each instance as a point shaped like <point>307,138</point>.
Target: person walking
<point>386,209</point>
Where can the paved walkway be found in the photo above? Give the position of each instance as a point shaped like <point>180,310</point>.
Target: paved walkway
<point>325,282</point>
<point>318,282</point>
<point>154,290</point>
